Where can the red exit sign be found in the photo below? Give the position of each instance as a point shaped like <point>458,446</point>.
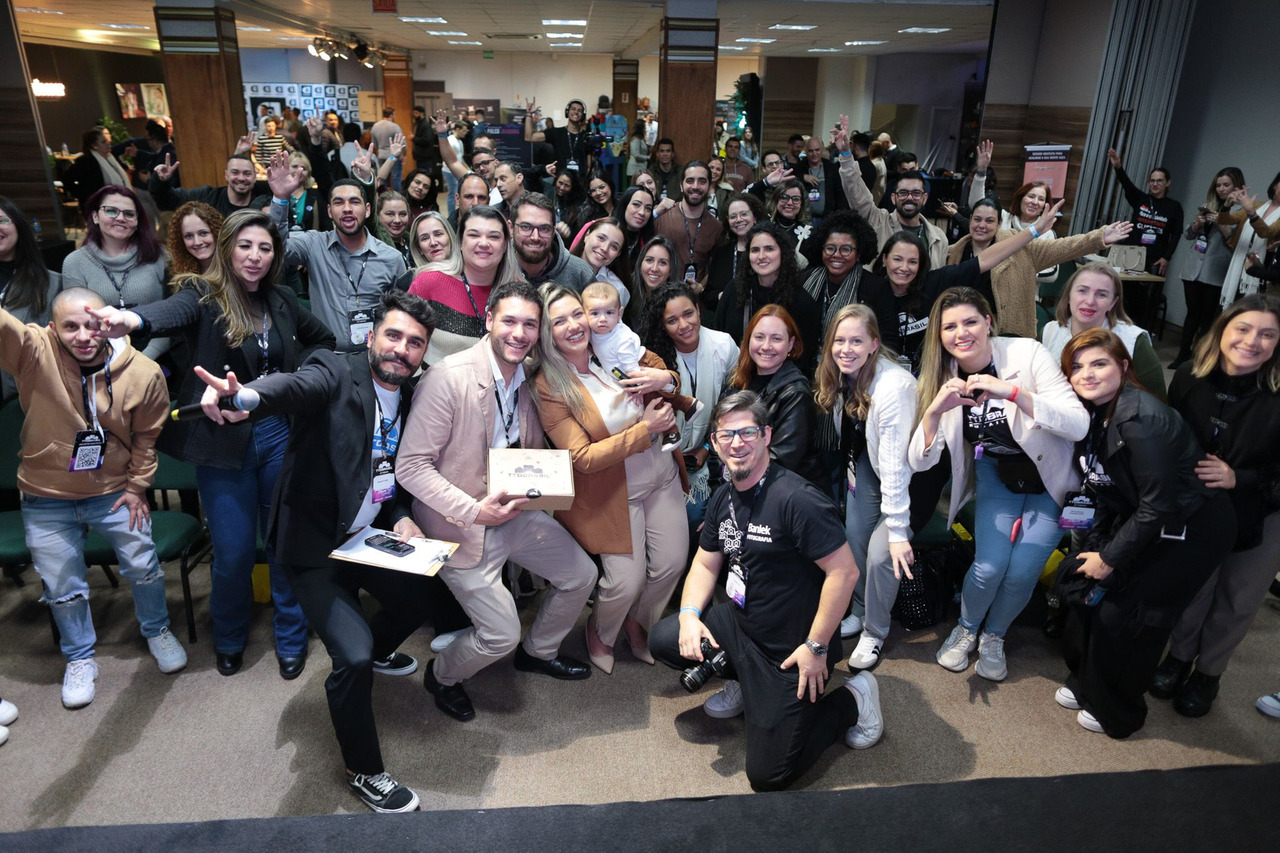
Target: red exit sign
<point>384,6</point>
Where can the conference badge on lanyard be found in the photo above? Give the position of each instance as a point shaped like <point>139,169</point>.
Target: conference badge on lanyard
<point>87,451</point>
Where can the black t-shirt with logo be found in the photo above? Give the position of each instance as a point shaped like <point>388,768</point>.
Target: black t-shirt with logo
<point>777,532</point>
<point>904,319</point>
<point>988,425</point>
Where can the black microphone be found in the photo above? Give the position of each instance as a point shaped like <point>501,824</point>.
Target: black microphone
<point>194,411</point>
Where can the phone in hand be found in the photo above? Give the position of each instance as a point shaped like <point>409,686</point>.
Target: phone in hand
<point>390,545</point>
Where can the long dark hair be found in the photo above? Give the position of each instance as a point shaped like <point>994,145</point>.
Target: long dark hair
<point>656,339</point>
<point>913,289</point>
<point>144,237</point>
<point>30,283</point>
<point>783,290</point>
<point>591,209</point>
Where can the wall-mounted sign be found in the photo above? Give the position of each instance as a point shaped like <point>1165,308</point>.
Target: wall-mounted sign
<point>383,7</point>
<point>48,90</point>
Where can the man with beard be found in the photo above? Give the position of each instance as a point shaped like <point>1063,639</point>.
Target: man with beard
<point>347,268</point>
<point>337,477</point>
<point>94,409</point>
<point>538,248</point>
<point>909,199</point>
<point>665,170</point>
<point>470,403</point>
<point>236,195</point>
<point>690,226</point>
<point>789,576</point>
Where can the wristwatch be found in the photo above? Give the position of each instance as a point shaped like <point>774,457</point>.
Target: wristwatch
<point>818,649</point>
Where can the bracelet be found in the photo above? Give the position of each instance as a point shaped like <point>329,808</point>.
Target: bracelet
<point>689,608</point>
<point>1035,235</point>
<point>845,155</point>
<point>283,202</point>
<point>1013,398</point>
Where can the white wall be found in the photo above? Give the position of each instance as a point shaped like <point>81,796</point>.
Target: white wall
<point>1069,52</point>
<point>923,81</point>
<point>514,77</point>
<point>1224,115</point>
<point>845,87</point>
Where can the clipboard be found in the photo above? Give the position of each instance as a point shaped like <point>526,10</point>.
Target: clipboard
<point>428,556</point>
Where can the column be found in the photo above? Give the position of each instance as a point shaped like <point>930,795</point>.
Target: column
<point>206,94</point>
<point>397,93</point>
<point>626,85</point>
<point>25,178</point>
<point>687,77</point>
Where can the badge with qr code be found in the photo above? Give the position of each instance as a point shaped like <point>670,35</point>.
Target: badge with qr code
<point>88,450</point>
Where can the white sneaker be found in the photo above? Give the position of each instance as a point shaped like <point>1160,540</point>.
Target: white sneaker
<point>1067,698</point>
<point>954,654</point>
<point>727,703</point>
<point>8,712</point>
<point>440,642</point>
<point>4,734</point>
<point>77,683</point>
<point>991,665</point>
<point>168,652</point>
<point>850,625</point>
<point>1090,722</point>
<point>1269,705</point>
<point>867,655</point>
<point>870,726</point>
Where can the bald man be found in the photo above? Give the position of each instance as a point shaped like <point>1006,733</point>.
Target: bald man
<point>93,408</point>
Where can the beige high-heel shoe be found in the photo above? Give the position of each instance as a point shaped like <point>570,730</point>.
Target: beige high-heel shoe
<point>638,640</point>
<point>600,654</point>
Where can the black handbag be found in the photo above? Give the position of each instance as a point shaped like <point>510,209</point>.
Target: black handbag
<point>922,599</point>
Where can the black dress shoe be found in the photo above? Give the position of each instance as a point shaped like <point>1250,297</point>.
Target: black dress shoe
<point>230,664</point>
<point>562,667</point>
<point>1196,696</point>
<point>291,668</point>
<point>451,698</point>
<point>1169,677</point>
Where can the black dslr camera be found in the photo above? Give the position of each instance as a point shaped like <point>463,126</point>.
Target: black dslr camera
<point>713,663</point>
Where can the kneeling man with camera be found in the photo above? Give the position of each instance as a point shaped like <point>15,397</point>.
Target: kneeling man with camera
<point>790,575</point>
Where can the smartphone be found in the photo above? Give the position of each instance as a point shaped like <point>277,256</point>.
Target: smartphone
<point>389,544</point>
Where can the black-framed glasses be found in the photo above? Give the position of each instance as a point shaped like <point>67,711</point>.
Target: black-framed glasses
<point>844,250</point>
<point>793,199</point>
<point>909,193</point>
<point>117,213</point>
<point>527,228</point>
<point>476,164</point>
<point>747,434</point>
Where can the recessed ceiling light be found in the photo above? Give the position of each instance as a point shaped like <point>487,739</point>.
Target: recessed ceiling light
<point>294,38</point>
<point>126,27</point>
<point>757,41</point>
<point>560,23</point>
<point>253,29</point>
<point>445,33</point>
<point>926,30</point>
<point>566,44</point>
<point>824,50</point>
<point>801,27</point>
<point>33,11</point>
<point>732,47</point>
<point>424,20</point>
<point>863,43</point>
<point>564,35</point>
<point>464,42</point>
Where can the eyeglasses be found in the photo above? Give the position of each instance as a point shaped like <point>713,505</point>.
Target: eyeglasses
<point>844,250</point>
<point>5,222</point>
<point>747,434</point>
<point>527,228</point>
<point>909,193</point>
<point>117,213</point>
<point>476,164</point>
<point>789,199</point>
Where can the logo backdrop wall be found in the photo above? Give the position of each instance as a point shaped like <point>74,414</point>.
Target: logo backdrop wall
<point>309,97</point>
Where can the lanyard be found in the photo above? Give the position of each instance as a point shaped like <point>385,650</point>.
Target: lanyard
<point>264,345</point>
<point>470,298</point>
<point>384,430</point>
<point>1219,423</point>
<point>693,240</point>
<point>355,284</point>
<point>118,285</point>
<point>504,417</point>
<point>91,400</point>
<point>742,528</point>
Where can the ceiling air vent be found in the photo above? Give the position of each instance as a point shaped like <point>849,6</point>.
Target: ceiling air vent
<point>513,36</point>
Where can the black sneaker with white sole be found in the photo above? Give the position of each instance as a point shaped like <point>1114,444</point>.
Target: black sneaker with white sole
<point>383,794</point>
<point>398,664</point>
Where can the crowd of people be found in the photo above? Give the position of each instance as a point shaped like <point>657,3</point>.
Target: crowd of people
<point>767,367</point>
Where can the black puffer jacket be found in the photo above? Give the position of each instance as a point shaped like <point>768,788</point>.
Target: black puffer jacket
<point>1150,455</point>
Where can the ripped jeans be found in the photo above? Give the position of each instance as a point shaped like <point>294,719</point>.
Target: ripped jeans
<point>56,533</point>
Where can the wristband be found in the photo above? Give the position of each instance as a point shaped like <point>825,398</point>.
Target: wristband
<point>845,155</point>
<point>689,609</point>
<point>1013,398</point>
<point>283,202</point>
<point>1035,235</point>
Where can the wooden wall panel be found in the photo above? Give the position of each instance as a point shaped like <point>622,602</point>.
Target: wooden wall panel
<point>783,118</point>
<point>1011,126</point>
<point>206,99</point>
<point>397,93</point>
<point>687,76</point>
<point>626,84</point>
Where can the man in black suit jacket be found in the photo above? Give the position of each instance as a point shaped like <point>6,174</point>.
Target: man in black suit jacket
<point>351,409</point>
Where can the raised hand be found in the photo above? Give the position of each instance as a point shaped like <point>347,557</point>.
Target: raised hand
<point>397,146</point>
<point>780,174</point>
<point>315,128</point>
<point>840,134</point>
<point>113,322</point>
<point>165,170</point>
<point>362,166</point>
<point>440,122</point>
<point>280,176</point>
<point>244,144</point>
<point>983,160</point>
<point>1045,223</point>
<point>1113,157</point>
<point>1115,232</point>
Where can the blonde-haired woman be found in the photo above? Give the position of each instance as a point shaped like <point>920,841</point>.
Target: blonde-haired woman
<point>1003,409</point>
<point>872,401</point>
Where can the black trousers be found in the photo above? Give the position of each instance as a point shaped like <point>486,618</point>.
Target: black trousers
<point>1202,310</point>
<point>329,595</point>
<point>1113,649</point>
<point>785,735</point>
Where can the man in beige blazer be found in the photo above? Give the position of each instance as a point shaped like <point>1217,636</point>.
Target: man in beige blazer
<point>464,405</point>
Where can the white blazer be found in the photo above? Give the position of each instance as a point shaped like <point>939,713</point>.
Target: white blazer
<point>1048,438</point>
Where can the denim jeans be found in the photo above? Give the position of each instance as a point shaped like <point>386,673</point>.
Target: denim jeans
<point>236,503</point>
<point>56,531</point>
<point>451,190</point>
<point>1004,573</point>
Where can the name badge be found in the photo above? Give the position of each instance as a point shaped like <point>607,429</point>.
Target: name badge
<point>736,584</point>
<point>1201,245</point>
<point>88,450</point>
<point>851,479</point>
<point>1077,512</point>
<point>690,274</point>
<point>360,322</point>
<point>814,194</point>
<point>572,165</point>
<point>384,480</point>
<point>1148,238</point>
